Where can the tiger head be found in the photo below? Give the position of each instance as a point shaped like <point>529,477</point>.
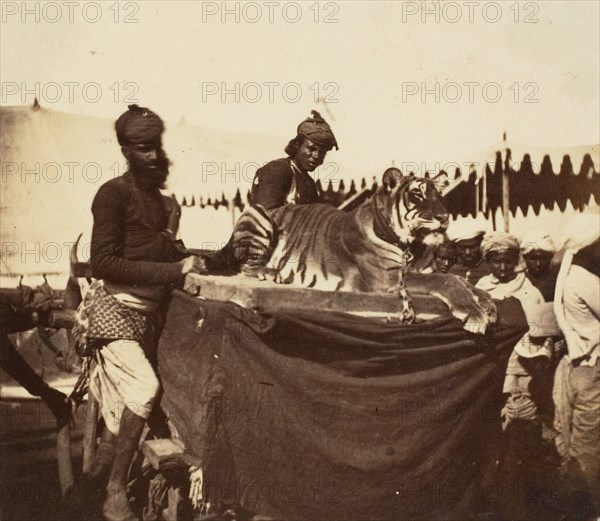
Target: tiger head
<point>409,208</point>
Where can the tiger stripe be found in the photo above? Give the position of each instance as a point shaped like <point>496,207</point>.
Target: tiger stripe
<point>367,250</point>
<point>319,246</point>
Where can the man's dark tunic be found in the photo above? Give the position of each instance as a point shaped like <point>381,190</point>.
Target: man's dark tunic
<point>273,183</point>
<point>128,221</point>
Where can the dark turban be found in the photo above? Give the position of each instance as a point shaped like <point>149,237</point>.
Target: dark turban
<point>138,125</point>
<point>318,130</point>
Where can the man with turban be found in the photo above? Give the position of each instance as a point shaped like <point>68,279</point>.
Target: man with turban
<point>467,235</point>
<point>287,180</point>
<point>538,250</point>
<point>135,258</point>
<point>502,253</point>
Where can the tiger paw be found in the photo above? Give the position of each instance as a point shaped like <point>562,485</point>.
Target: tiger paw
<point>473,307</point>
<point>487,303</point>
<point>259,272</point>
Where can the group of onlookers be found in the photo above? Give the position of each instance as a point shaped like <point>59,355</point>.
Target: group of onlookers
<point>553,375</point>
<point>499,258</point>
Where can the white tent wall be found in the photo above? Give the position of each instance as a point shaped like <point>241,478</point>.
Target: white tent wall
<point>54,162</point>
<point>206,228</point>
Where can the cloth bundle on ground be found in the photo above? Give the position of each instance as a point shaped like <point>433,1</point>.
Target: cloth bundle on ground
<point>312,415</point>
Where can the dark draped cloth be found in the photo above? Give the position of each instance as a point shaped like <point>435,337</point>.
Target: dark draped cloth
<point>326,416</point>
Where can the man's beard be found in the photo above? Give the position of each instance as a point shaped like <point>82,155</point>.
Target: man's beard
<point>151,174</point>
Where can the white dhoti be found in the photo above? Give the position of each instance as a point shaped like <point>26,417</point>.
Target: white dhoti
<point>123,377</point>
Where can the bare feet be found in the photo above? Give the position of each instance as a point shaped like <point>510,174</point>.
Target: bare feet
<point>116,506</point>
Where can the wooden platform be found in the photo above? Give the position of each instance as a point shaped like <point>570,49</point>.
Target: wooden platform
<point>267,296</point>
<point>164,454</point>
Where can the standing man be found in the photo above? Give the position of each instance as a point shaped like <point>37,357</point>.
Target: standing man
<point>287,180</point>
<point>576,390</point>
<point>135,257</point>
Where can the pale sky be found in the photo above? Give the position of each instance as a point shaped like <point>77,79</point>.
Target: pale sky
<point>376,54</point>
<point>418,83</point>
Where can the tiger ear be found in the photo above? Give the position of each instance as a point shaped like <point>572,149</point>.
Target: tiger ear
<point>441,181</point>
<point>392,177</point>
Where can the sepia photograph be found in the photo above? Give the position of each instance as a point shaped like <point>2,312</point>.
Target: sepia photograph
<point>300,260</point>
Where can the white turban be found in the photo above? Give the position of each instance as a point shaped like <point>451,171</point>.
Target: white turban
<point>499,241</point>
<point>465,230</point>
<point>537,240</point>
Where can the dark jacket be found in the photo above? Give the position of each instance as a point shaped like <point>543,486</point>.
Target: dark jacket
<point>127,244</point>
<point>273,182</point>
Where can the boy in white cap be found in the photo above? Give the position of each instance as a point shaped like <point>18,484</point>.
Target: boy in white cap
<point>507,278</point>
<point>538,249</point>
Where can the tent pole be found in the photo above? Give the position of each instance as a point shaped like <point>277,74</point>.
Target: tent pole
<point>484,189</point>
<point>506,188</point>
<point>477,203</point>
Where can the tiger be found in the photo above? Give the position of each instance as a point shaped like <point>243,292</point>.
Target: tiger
<point>369,249</point>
